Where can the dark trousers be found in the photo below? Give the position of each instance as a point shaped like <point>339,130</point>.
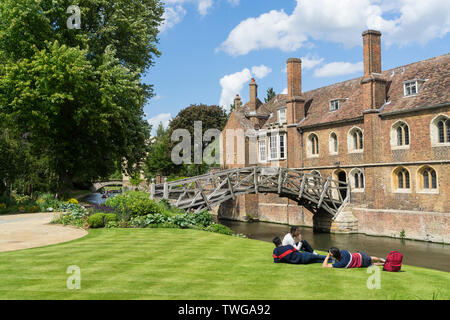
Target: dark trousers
<point>311,258</point>
<point>306,246</point>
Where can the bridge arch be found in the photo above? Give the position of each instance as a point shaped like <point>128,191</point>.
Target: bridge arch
<point>100,184</point>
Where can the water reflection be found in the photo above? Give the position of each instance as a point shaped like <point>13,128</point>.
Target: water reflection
<point>416,253</point>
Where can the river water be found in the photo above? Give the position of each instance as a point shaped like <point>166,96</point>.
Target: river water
<point>415,253</point>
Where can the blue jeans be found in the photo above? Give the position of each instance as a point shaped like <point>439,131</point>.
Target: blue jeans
<point>311,258</point>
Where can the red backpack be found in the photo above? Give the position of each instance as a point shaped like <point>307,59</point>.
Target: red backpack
<point>393,261</point>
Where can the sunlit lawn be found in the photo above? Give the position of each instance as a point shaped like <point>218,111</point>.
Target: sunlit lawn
<point>192,264</point>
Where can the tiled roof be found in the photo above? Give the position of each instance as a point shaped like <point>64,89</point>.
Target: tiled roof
<point>435,90</point>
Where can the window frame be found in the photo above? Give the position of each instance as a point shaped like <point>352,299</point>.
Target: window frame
<point>355,140</point>
<point>408,84</point>
<point>401,177</point>
<point>404,138</point>
<point>262,142</point>
<point>421,180</point>
<point>334,105</point>
<point>333,143</point>
<point>285,115</point>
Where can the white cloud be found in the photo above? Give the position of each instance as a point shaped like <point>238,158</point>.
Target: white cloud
<point>310,62</point>
<point>156,120</point>
<point>261,71</point>
<point>342,22</point>
<point>232,84</point>
<point>338,69</point>
<point>285,91</point>
<point>204,6</point>
<point>172,16</point>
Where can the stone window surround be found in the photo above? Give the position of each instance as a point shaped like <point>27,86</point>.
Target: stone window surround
<point>394,137</point>
<point>434,134</point>
<point>419,181</point>
<point>394,181</point>
<point>309,146</point>
<point>350,140</point>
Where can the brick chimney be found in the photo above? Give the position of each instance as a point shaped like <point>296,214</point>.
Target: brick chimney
<point>294,77</point>
<point>373,85</point>
<point>253,95</point>
<point>296,103</point>
<point>237,101</point>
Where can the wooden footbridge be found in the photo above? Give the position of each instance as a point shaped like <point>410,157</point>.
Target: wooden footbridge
<point>206,191</point>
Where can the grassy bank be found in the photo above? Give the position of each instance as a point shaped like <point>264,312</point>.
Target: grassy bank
<point>193,264</point>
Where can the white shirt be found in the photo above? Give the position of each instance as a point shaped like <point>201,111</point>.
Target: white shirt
<point>288,239</point>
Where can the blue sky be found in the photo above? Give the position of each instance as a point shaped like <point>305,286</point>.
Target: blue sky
<point>211,48</point>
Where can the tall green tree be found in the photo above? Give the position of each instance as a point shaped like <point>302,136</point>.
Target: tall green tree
<point>211,117</point>
<point>77,93</point>
<point>158,159</point>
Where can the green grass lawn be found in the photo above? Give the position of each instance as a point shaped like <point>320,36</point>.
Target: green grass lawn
<point>191,264</point>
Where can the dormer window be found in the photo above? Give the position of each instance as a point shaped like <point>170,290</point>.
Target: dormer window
<point>411,87</point>
<point>334,105</point>
<point>282,115</point>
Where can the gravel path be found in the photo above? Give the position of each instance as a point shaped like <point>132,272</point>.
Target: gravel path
<point>21,231</point>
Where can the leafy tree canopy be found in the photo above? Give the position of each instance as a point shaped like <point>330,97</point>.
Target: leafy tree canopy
<point>76,94</point>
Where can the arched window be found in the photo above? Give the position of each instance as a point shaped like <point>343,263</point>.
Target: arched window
<point>355,140</point>
<point>427,178</point>
<point>313,144</point>
<point>443,130</point>
<point>400,135</point>
<point>440,130</point>
<point>357,179</point>
<point>401,179</point>
<point>333,143</point>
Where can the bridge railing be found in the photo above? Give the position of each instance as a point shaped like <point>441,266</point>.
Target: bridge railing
<point>211,189</point>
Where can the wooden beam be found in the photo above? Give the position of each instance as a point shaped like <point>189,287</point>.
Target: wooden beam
<point>322,196</point>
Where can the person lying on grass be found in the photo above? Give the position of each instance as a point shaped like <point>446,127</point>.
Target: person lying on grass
<point>300,245</point>
<point>345,259</point>
<point>290,254</point>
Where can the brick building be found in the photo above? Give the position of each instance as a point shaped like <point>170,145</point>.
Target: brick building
<point>387,133</point>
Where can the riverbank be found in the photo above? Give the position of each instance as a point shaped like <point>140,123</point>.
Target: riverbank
<point>135,264</point>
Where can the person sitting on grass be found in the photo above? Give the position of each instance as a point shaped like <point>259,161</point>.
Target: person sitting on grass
<point>300,245</point>
<point>290,254</point>
<point>345,259</point>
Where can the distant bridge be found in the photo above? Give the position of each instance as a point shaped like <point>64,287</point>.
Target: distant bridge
<point>100,184</point>
<point>206,191</point>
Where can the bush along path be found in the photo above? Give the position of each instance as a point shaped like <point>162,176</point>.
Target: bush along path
<point>134,209</point>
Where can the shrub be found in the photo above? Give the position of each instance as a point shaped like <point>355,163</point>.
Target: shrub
<point>32,209</point>
<point>203,218</point>
<point>72,201</point>
<point>2,206</point>
<point>97,220</point>
<point>112,224</point>
<point>219,228</point>
<point>110,217</point>
<point>67,219</point>
<point>21,199</point>
<point>132,204</point>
